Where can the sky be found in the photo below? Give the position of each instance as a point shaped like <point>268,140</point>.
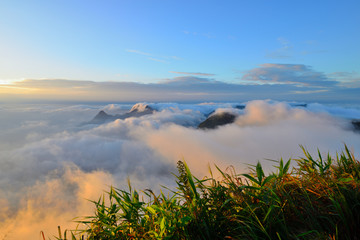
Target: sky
<point>304,50</point>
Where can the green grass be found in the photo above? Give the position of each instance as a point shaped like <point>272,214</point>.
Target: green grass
<point>317,199</point>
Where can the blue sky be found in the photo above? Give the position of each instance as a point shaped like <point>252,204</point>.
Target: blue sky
<point>156,41</point>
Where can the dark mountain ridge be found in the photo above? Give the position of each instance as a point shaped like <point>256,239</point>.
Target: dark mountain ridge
<point>217,120</point>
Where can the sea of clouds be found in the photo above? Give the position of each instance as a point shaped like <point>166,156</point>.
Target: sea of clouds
<point>51,161</point>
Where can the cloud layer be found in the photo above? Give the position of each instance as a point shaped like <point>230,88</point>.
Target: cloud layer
<point>282,82</point>
<point>297,74</point>
<point>57,163</point>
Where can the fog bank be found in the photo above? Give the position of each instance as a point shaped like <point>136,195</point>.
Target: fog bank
<point>51,162</point>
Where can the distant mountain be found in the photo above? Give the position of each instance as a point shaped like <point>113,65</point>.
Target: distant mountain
<point>101,117</point>
<point>140,109</point>
<point>356,125</point>
<point>137,110</point>
<point>241,107</point>
<point>304,105</point>
<point>217,120</point>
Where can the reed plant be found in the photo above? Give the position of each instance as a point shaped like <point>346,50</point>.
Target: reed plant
<point>319,198</point>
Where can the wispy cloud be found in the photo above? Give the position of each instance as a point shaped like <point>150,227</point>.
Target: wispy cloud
<point>283,52</point>
<point>153,57</point>
<point>311,42</point>
<point>287,50</point>
<point>157,60</point>
<point>193,73</point>
<point>189,80</point>
<point>138,52</point>
<point>346,79</point>
<point>175,57</point>
<point>310,91</point>
<point>201,34</point>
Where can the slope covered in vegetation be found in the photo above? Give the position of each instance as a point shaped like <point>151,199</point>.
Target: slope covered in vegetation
<point>318,199</point>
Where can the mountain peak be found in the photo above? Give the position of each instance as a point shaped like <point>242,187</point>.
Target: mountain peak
<point>101,114</point>
<point>101,117</point>
<point>141,107</point>
<point>217,120</point>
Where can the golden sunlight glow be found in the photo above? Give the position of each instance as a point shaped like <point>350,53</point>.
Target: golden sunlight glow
<point>10,86</point>
<point>10,82</point>
<point>6,81</point>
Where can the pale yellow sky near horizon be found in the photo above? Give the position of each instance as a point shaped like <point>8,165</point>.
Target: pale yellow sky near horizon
<point>182,89</point>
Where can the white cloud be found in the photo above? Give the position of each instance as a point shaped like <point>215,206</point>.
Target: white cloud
<point>45,180</point>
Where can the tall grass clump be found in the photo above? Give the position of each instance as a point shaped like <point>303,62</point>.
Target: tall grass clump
<point>319,198</point>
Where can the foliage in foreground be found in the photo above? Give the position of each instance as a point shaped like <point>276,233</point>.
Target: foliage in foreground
<point>319,199</point>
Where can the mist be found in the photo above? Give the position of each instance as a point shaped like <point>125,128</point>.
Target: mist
<point>51,162</point>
